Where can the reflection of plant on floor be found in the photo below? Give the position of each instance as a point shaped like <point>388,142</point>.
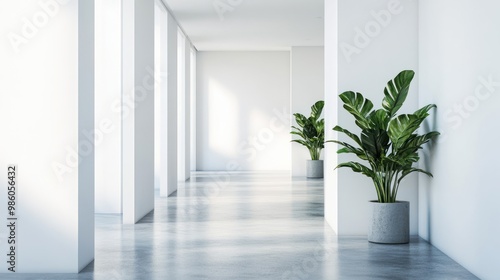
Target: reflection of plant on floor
<point>311,130</point>
<point>389,143</point>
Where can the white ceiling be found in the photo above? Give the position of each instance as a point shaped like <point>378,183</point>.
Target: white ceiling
<point>250,24</point>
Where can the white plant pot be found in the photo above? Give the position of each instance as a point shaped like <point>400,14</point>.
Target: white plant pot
<point>390,222</point>
<point>314,169</point>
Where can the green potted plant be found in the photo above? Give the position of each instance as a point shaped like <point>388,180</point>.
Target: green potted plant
<point>388,146</point>
<point>311,130</point>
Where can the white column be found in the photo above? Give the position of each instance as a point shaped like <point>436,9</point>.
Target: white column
<point>187,105</point>
<point>181,107</point>
<point>86,107</point>
<point>108,96</point>
<point>168,179</point>
<point>161,92</point>
<point>46,113</point>
<point>307,87</point>
<point>331,113</point>
<point>193,109</point>
<point>138,109</point>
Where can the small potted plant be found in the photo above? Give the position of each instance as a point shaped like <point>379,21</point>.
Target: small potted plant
<point>388,147</point>
<point>312,133</point>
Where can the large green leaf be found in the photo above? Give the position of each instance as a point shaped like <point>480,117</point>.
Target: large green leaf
<point>396,92</point>
<point>298,133</point>
<point>415,142</point>
<point>302,142</point>
<point>316,109</point>
<point>424,111</point>
<point>358,106</point>
<point>375,142</point>
<point>320,127</point>
<point>348,133</point>
<point>406,159</point>
<point>402,128</point>
<point>380,119</point>
<point>309,130</point>
<point>300,119</point>
<point>358,168</point>
<point>348,148</point>
<point>394,162</point>
<point>412,170</point>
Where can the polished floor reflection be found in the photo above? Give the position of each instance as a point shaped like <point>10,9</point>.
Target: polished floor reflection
<point>249,226</point>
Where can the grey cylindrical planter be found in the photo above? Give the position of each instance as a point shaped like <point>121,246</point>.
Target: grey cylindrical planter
<point>314,169</point>
<point>390,222</point>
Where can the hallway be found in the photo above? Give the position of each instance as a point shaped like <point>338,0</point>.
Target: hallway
<point>249,226</point>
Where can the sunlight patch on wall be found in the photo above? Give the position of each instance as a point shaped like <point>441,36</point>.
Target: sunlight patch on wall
<point>223,119</point>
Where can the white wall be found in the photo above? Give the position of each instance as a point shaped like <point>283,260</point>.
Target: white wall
<point>243,113</point>
<point>108,196</point>
<point>308,87</point>
<point>138,109</point>
<point>460,73</point>
<point>46,105</point>
<point>371,51</point>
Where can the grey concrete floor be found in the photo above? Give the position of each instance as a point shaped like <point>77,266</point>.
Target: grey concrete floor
<point>249,226</point>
